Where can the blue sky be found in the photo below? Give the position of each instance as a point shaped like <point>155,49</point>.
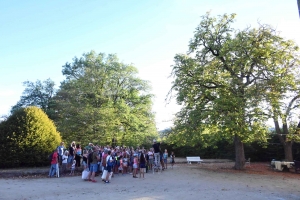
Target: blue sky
<point>39,37</point>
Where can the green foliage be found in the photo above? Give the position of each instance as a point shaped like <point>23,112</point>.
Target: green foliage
<point>222,82</point>
<point>103,101</point>
<point>37,94</point>
<point>27,137</point>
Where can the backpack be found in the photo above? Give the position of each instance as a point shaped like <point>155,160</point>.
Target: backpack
<point>110,163</point>
<point>50,157</point>
<point>90,157</point>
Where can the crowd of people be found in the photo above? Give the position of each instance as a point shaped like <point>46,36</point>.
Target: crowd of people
<point>95,160</point>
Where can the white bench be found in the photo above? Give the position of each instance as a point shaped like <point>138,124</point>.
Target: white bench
<point>247,161</point>
<point>193,159</point>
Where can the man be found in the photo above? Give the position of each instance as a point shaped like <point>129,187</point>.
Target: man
<point>54,161</point>
<point>60,151</point>
<point>93,164</point>
<point>156,148</point>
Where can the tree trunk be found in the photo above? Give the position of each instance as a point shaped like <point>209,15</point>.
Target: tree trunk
<point>288,153</point>
<point>239,153</point>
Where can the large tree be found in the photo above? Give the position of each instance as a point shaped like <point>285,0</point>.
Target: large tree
<point>222,82</point>
<point>103,100</point>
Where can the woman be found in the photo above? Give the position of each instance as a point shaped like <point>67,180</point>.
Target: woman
<point>125,162</point>
<point>142,164</point>
<point>78,155</point>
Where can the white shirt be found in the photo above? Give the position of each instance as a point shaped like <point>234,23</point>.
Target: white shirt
<point>150,154</point>
<point>64,159</point>
<point>108,157</point>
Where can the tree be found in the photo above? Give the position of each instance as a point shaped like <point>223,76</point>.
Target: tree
<point>102,100</point>
<point>26,137</point>
<point>222,81</point>
<point>283,100</point>
<point>38,94</point>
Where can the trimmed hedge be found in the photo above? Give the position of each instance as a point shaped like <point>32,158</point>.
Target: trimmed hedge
<point>27,137</point>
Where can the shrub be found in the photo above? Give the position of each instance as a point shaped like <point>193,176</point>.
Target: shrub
<point>26,138</point>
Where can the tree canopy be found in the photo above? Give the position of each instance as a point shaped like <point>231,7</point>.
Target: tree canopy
<point>38,94</point>
<point>102,100</point>
<point>223,80</point>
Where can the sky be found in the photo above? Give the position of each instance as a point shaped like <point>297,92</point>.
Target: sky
<point>39,37</point>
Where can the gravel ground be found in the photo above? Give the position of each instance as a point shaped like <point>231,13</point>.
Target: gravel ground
<point>204,181</point>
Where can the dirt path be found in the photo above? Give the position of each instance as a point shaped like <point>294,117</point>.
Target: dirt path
<point>182,182</point>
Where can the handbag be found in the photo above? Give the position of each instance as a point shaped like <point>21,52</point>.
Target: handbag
<point>85,174</point>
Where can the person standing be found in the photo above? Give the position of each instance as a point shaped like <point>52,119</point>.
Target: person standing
<point>109,159</point>
<point>156,148</point>
<point>135,165</point>
<point>54,162</point>
<point>142,165</point>
<point>93,164</point>
<point>172,158</point>
<point>65,161</point>
<point>78,155</point>
<point>151,157</point>
<point>165,158</point>
<point>60,151</point>
<point>71,154</point>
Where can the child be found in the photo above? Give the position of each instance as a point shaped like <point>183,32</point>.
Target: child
<point>121,165</point>
<point>165,157</point>
<point>172,158</point>
<point>135,165</point>
<point>84,159</point>
<point>73,167</point>
<point>65,161</point>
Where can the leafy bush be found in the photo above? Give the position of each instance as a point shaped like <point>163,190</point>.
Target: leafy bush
<point>26,138</point>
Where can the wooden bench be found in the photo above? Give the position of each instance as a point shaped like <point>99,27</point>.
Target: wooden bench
<point>193,159</point>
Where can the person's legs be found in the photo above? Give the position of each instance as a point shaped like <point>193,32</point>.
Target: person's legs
<point>166,163</point>
<point>90,172</point>
<point>143,172</point>
<point>150,164</point>
<point>52,170</point>
<point>60,160</point>
<point>93,171</point>
<point>77,158</point>
<point>162,164</point>
<point>134,170</point>
<point>108,173</point>
<point>70,161</point>
<point>157,159</point>
<point>64,167</point>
